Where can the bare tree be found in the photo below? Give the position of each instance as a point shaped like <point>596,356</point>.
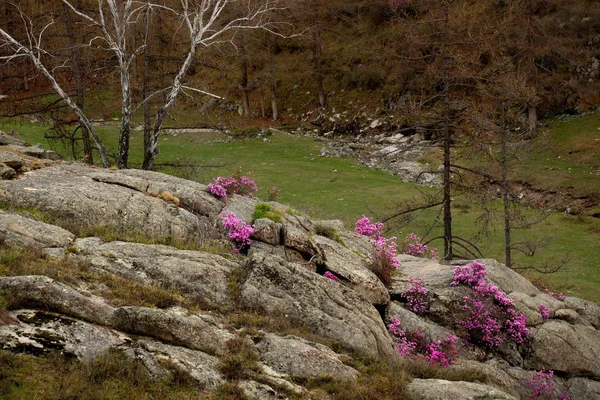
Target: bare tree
<point>32,48</point>
<point>115,19</point>
<point>207,23</point>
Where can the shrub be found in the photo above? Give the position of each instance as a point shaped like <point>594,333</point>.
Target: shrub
<point>557,296</point>
<point>543,386</point>
<point>233,184</point>
<point>490,317</point>
<point>387,247</point>
<point>273,193</point>
<point>544,311</point>
<point>264,210</point>
<point>414,247</point>
<point>330,233</point>
<point>416,296</point>
<point>412,344</point>
<point>239,232</point>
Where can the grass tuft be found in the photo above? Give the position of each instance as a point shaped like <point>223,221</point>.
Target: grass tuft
<point>264,210</point>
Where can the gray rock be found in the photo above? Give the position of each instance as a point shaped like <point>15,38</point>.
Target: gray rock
<point>260,391</point>
<point>359,245</point>
<point>40,331</point>
<point>584,389</point>
<point>286,290</point>
<point>413,322</point>
<point>192,195</point>
<point>437,389</point>
<point>6,139</point>
<point>299,240</point>
<point>570,316</point>
<point>353,269</point>
<point>507,279</point>
<point>68,193</point>
<point>6,172</point>
<point>173,326</point>
<point>571,349</point>
<point>337,224</point>
<point>297,357</point>
<point>11,159</point>
<point>262,247</point>
<point>19,231</point>
<point>35,151</point>
<point>242,207</point>
<point>46,294</point>
<point>197,275</point>
<point>201,367</point>
<point>497,376</point>
<point>588,310</point>
<point>268,231</point>
<point>529,305</point>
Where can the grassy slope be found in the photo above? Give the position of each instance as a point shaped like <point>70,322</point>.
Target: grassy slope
<point>338,188</point>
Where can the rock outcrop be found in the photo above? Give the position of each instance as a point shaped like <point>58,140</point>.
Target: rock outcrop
<point>291,324</point>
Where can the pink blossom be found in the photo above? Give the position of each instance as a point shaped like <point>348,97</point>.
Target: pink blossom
<point>414,247</point>
<point>544,311</point>
<point>416,296</point>
<point>331,276</point>
<point>239,231</point>
<point>490,317</point>
<point>233,184</point>
<point>543,386</point>
<point>387,247</point>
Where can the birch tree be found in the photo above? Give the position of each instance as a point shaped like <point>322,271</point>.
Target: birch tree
<point>32,48</point>
<point>115,20</point>
<point>206,23</point>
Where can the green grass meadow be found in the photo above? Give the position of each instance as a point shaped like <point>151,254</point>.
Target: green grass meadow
<point>340,188</point>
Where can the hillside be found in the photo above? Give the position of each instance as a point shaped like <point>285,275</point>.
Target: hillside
<point>144,289</point>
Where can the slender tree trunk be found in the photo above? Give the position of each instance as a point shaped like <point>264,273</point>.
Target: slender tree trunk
<point>125,129</point>
<point>505,194</point>
<point>318,55</point>
<point>448,239</point>
<point>79,83</point>
<point>146,81</point>
<point>151,151</point>
<point>244,79</point>
<point>272,79</point>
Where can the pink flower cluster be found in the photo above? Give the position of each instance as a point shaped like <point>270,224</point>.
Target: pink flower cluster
<point>386,247</point>
<point>239,231</point>
<point>544,311</point>
<point>557,296</point>
<point>412,344</point>
<point>416,296</point>
<point>233,184</point>
<point>543,386</point>
<point>414,247</point>
<point>490,315</point>
<point>331,276</point>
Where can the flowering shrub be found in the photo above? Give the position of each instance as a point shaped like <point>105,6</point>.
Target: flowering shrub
<point>239,231</point>
<point>412,344</point>
<point>414,247</point>
<point>543,386</point>
<point>273,193</point>
<point>490,315</point>
<point>557,296</point>
<point>331,276</point>
<point>386,247</point>
<point>416,296</point>
<point>233,184</point>
<point>544,311</point>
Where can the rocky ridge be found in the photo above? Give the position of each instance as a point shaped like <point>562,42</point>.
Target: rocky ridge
<point>319,327</point>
